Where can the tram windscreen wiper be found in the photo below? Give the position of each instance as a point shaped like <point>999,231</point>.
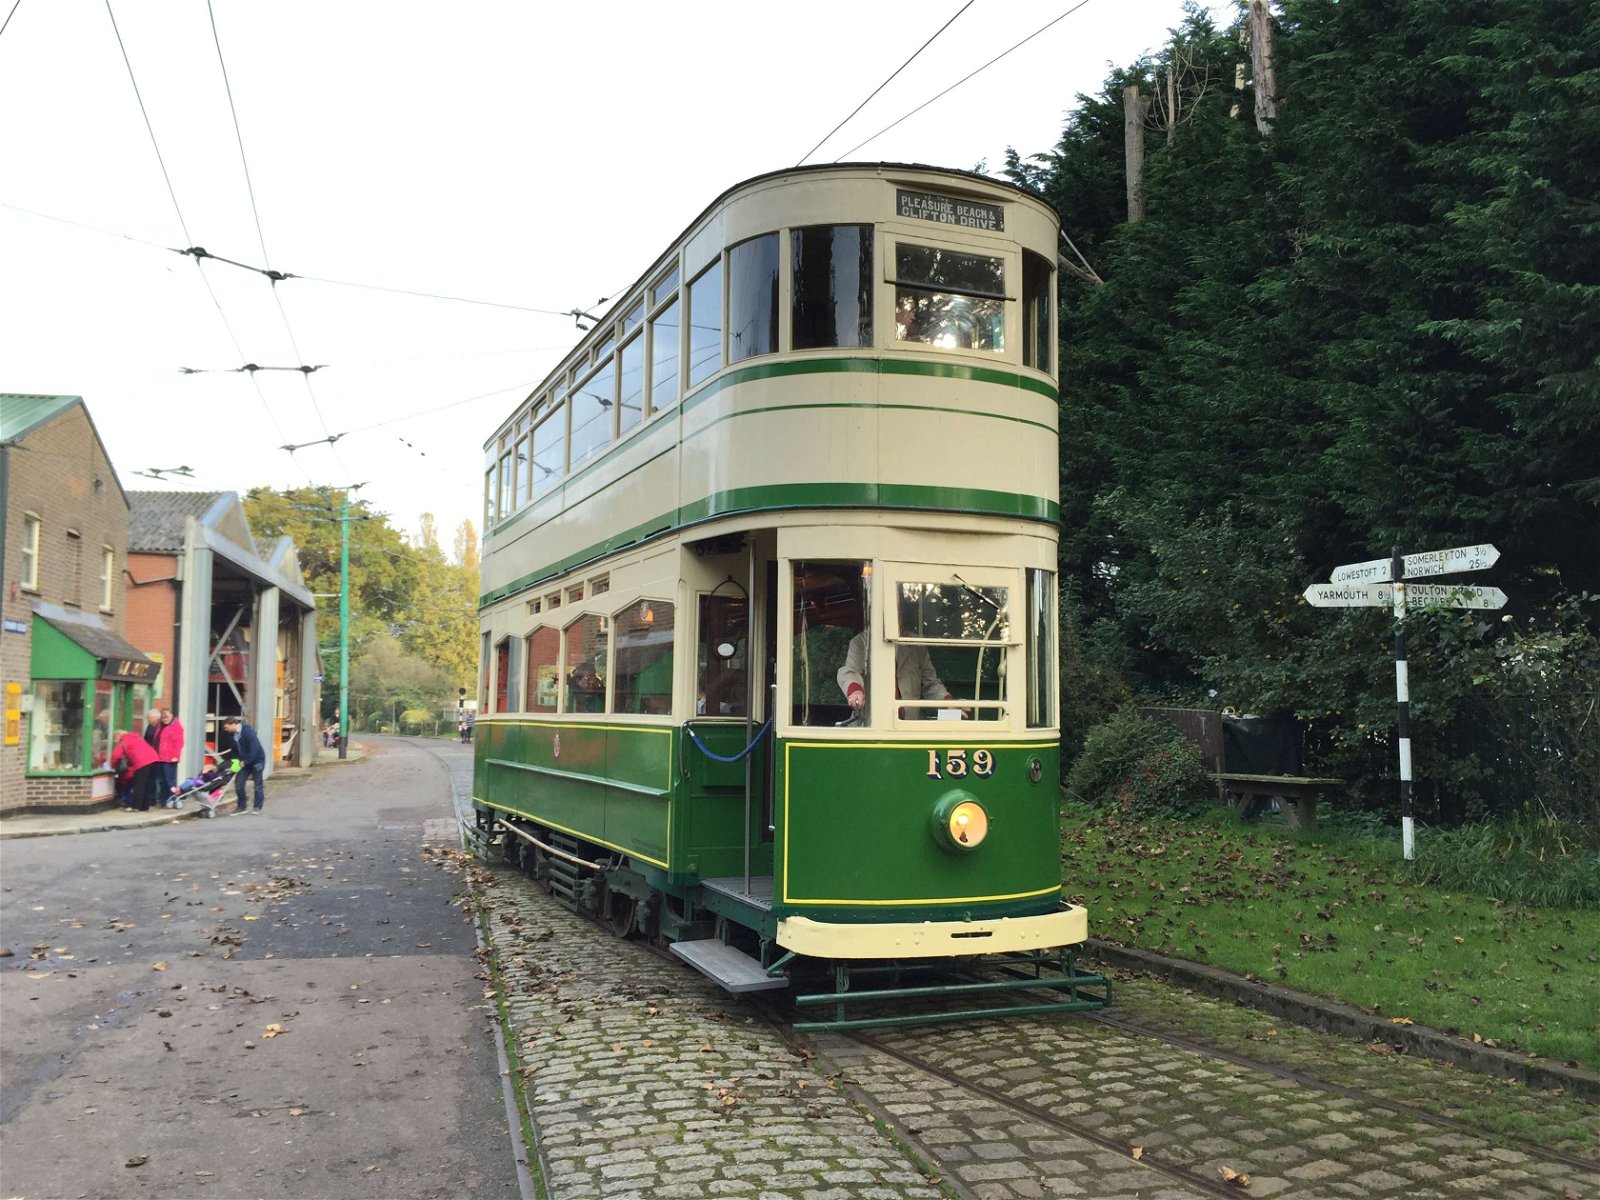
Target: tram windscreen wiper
<point>975,592</point>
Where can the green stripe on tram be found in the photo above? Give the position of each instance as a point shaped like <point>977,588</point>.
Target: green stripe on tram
<point>790,496</point>
<point>872,366</point>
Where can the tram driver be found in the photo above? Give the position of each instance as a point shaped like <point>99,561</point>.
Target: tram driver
<point>914,677</point>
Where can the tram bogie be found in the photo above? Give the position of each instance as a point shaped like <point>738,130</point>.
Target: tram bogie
<point>769,658</point>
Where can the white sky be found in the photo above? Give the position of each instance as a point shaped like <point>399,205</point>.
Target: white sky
<point>534,154</point>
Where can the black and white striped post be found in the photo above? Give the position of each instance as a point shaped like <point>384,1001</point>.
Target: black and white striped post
<point>1402,696</point>
<point>1382,581</point>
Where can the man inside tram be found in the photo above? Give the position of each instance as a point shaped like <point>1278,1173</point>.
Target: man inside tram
<point>914,677</point>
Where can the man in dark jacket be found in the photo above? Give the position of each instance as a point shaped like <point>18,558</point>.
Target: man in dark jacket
<point>252,761</point>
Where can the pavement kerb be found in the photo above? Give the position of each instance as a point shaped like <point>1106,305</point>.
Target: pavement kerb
<point>1346,1020</point>
<point>97,823</point>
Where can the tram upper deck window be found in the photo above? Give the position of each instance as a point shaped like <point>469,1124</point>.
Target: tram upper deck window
<point>832,286</point>
<point>753,298</point>
<point>592,402</point>
<point>524,470</point>
<point>949,299</point>
<point>960,633</point>
<point>665,288</point>
<point>630,394</point>
<point>665,355</point>
<point>1038,340</point>
<point>506,479</point>
<point>705,324</point>
<point>831,611</point>
<point>549,450</point>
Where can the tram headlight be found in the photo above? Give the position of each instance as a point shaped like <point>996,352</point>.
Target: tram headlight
<point>959,823</point>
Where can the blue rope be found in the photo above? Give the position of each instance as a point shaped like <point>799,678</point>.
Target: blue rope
<point>739,757</point>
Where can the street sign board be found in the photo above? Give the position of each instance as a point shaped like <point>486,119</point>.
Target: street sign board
<point>1427,562</point>
<point>1424,595</point>
<point>1418,595</point>
<point>1349,595</point>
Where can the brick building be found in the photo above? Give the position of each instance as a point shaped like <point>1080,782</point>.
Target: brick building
<point>69,680</point>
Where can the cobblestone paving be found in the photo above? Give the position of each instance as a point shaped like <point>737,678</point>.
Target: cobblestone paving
<point>645,1081</point>
<point>1180,1108</point>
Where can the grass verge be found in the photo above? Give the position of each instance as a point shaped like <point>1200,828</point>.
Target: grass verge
<point>1334,916</point>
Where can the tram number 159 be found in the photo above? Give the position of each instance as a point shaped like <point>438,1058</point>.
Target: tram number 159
<point>956,766</point>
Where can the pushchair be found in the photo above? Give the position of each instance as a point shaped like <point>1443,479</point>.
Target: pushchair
<point>206,788</point>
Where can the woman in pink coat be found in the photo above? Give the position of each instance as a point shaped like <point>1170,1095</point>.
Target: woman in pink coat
<point>133,753</point>
<point>169,748</point>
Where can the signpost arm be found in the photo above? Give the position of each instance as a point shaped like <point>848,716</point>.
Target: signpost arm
<point>1402,694</point>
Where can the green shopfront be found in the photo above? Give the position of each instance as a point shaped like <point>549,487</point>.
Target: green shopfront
<point>88,685</point>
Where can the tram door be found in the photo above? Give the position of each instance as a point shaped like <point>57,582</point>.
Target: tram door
<point>736,671</point>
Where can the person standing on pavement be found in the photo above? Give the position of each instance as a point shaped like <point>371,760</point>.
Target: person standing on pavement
<point>133,753</point>
<point>152,731</point>
<point>252,758</point>
<point>169,748</point>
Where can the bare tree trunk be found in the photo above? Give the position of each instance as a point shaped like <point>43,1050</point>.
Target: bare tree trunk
<point>1173,115</point>
<point>1261,66</point>
<point>1134,108</point>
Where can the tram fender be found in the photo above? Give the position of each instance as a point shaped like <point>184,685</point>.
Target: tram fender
<point>934,939</point>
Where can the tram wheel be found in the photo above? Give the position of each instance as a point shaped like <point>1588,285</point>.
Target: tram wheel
<point>622,914</point>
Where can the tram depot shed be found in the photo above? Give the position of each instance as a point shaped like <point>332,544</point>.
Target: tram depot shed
<point>231,620</point>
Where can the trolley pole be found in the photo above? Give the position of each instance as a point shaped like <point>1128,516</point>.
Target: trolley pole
<point>1402,696</point>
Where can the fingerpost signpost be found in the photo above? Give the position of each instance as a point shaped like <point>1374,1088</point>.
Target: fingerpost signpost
<point>1382,583</point>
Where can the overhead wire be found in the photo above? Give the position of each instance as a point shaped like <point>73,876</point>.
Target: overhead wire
<point>261,237</point>
<point>200,252</point>
<point>885,83</point>
<point>963,79</point>
<point>9,15</point>
<point>182,223</point>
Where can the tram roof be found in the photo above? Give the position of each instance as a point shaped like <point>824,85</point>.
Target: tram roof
<point>628,292</point>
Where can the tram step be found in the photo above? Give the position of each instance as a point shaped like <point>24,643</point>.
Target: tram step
<point>733,969</point>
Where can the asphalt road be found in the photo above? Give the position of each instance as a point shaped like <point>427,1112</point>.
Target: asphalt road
<point>282,1005</point>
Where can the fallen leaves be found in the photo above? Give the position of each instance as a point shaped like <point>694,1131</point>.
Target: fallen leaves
<point>138,1160</point>
<point>1237,1178</point>
<point>160,966</point>
<point>273,1030</point>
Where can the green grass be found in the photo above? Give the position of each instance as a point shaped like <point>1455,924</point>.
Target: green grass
<point>1332,915</point>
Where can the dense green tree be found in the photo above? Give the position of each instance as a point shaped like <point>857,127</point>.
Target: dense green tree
<point>439,623</point>
<point>1379,325</point>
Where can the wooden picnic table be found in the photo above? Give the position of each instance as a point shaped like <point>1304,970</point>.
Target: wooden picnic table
<point>1296,794</point>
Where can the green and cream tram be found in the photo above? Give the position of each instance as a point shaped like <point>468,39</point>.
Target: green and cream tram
<point>769,596</point>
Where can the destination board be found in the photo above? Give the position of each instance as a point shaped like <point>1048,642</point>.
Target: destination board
<point>947,210</point>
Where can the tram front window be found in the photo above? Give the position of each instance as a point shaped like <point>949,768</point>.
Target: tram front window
<point>830,614</point>
<point>948,299</point>
<point>951,650</point>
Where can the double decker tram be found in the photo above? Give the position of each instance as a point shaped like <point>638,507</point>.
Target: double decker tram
<point>769,603</point>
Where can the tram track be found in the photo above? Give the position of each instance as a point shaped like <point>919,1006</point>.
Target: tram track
<point>1178,1172</point>
<point>1202,1178</point>
<point>1316,1083</point>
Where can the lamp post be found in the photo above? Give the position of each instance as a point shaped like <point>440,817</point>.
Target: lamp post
<point>344,624</point>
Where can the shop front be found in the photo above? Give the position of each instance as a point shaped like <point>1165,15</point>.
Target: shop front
<point>88,685</point>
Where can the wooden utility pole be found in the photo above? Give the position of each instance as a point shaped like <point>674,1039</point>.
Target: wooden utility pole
<point>1260,23</point>
<point>1134,109</point>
